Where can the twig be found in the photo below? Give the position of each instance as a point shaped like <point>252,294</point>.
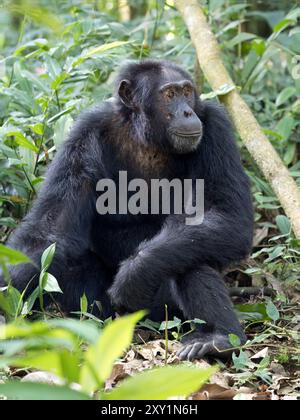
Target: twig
<point>251,291</point>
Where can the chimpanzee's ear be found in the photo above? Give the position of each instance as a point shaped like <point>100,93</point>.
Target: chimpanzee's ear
<point>125,93</point>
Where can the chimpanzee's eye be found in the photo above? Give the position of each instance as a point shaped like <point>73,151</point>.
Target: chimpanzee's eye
<point>170,93</point>
<point>187,91</point>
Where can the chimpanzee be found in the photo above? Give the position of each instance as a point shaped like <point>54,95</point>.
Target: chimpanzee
<point>155,127</point>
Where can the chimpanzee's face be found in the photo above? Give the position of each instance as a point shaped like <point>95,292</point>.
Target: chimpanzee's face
<point>168,100</point>
<point>176,103</point>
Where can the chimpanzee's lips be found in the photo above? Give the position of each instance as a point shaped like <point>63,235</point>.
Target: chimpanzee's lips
<point>188,135</point>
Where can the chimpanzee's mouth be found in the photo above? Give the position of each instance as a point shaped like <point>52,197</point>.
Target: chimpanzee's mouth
<point>186,135</point>
<point>185,142</point>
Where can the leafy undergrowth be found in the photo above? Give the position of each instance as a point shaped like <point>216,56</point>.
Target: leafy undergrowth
<point>266,368</point>
<point>89,359</point>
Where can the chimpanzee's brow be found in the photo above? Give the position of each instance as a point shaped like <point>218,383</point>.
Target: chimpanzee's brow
<point>180,84</point>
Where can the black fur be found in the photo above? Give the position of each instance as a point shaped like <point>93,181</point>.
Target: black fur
<point>144,261</point>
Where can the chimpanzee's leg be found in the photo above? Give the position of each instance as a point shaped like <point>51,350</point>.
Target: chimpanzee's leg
<point>88,276</point>
<point>202,294</point>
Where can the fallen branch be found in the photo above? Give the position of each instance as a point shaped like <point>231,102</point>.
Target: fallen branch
<point>247,126</point>
<point>251,291</point>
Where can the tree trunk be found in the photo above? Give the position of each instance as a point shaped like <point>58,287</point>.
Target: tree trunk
<point>247,126</point>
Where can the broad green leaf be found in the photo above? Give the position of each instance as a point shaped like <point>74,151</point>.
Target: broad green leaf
<point>60,362</point>
<point>238,39</point>
<point>10,300</point>
<point>295,31</point>
<point>223,90</point>
<point>282,25</point>
<point>235,341</point>
<point>11,256</point>
<point>29,303</point>
<point>198,321</point>
<point>285,126</point>
<point>285,94</point>
<point>47,257</point>
<point>272,311</point>
<point>294,14</point>
<point>35,392</point>
<point>160,384</point>
<point>86,330</point>
<point>176,322</point>
<point>58,80</point>
<point>21,140</point>
<point>100,357</point>
<point>283,224</point>
<point>252,312</point>
<point>23,329</point>
<point>241,361</point>
<point>51,284</point>
<point>277,252</point>
<point>32,44</point>
<point>37,128</point>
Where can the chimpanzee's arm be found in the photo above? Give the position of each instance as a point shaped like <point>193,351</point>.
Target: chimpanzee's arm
<point>65,207</point>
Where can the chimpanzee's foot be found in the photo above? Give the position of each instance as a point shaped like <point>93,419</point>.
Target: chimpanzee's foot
<point>198,344</point>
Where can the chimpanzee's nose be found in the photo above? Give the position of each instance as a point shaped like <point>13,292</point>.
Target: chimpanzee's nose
<point>188,113</point>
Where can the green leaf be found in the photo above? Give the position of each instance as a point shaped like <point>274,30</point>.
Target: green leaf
<point>285,126</point>
<point>37,128</point>
<point>272,311</point>
<point>21,140</point>
<point>283,224</point>
<point>293,14</point>
<point>241,361</point>
<point>282,25</point>
<point>223,90</point>
<point>160,384</point>
<point>10,299</point>
<point>23,329</point>
<point>252,312</point>
<point>250,64</point>
<point>60,362</point>
<point>277,252</point>
<point>11,256</point>
<point>176,322</point>
<point>83,303</point>
<point>235,341</point>
<point>58,80</point>
<point>285,94</point>
<point>29,303</point>
<point>39,392</point>
<point>99,358</point>
<point>47,257</point>
<point>198,321</point>
<point>86,330</point>
<point>51,284</point>
<point>97,50</point>
<point>295,31</point>
<point>238,39</point>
